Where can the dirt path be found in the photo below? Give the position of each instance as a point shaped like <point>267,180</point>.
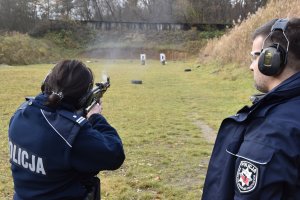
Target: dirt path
<point>208,133</point>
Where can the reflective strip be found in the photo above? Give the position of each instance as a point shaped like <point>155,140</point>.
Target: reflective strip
<point>55,129</point>
<point>246,158</point>
<point>80,119</point>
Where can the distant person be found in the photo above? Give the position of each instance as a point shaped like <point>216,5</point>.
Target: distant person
<point>256,155</point>
<point>162,58</point>
<point>55,153</point>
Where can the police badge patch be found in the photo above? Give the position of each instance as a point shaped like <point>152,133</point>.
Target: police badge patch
<point>246,177</point>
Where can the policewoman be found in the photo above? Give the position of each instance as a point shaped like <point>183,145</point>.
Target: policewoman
<point>256,155</point>
<point>55,153</point>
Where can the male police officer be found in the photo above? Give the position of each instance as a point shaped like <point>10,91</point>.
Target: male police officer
<point>257,151</point>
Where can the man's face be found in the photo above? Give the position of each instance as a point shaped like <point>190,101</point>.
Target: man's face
<point>261,81</point>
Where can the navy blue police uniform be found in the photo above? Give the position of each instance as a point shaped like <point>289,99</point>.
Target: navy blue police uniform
<point>256,155</point>
<point>54,153</point>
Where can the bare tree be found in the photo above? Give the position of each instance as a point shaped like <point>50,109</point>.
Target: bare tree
<point>21,15</point>
<point>82,9</point>
<point>17,15</point>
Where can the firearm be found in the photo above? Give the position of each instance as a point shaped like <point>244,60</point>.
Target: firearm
<point>96,94</point>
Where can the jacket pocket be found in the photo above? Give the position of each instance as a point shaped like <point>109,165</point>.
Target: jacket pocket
<point>251,151</point>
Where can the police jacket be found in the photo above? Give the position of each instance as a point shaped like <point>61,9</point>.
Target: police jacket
<point>256,155</point>
<point>54,152</point>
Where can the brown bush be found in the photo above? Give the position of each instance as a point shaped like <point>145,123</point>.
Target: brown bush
<point>19,49</point>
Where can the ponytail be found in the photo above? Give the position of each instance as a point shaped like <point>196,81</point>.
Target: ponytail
<point>54,99</point>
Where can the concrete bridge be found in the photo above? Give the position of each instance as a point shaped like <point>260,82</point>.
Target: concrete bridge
<point>142,26</point>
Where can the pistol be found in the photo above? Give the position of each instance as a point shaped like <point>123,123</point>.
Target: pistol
<point>96,94</point>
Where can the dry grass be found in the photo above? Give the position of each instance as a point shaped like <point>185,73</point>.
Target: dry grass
<point>166,152</point>
<point>234,47</point>
<point>17,48</point>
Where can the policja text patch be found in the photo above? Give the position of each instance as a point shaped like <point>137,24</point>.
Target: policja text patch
<point>246,177</point>
<point>26,159</point>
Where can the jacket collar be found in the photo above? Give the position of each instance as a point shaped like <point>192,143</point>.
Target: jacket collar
<point>263,102</point>
<point>289,88</point>
<point>42,98</point>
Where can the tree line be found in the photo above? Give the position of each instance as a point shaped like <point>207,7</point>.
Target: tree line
<point>23,15</point>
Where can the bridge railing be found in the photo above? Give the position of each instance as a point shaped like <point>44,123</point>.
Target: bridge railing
<point>142,26</point>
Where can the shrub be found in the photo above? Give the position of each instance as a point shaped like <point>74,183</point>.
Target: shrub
<point>69,34</point>
<point>20,49</point>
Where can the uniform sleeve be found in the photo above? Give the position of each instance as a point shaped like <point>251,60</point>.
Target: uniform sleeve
<point>97,147</point>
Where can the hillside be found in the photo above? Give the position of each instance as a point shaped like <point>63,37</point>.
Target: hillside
<point>129,44</point>
<point>68,40</point>
<point>234,47</point>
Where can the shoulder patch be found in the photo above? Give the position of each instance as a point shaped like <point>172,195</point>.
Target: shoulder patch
<point>78,119</point>
<point>23,105</point>
<point>65,124</point>
<point>246,177</point>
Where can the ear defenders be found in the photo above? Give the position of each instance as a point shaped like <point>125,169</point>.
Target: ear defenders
<point>44,82</point>
<point>86,99</point>
<point>273,59</point>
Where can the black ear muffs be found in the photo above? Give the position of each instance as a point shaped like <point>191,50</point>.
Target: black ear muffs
<point>86,99</point>
<point>272,60</point>
<point>83,101</point>
<point>43,85</point>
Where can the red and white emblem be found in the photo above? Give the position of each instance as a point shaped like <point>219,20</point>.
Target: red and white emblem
<point>246,177</point>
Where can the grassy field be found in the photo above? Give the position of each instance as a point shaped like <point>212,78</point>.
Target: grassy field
<point>166,153</point>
